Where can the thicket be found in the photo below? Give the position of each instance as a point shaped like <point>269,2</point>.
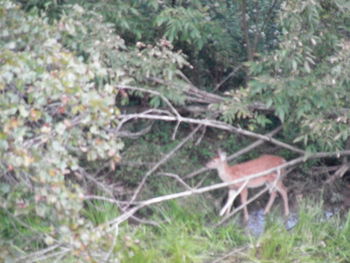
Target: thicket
<point>96,97</point>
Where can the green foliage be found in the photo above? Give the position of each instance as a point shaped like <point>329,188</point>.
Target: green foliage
<point>313,239</point>
<point>99,212</point>
<point>54,121</point>
<point>52,8</point>
<point>58,111</point>
<point>59,84</point>
<point>184,238</point>
<point>306,80</point>
<point>184,24</point>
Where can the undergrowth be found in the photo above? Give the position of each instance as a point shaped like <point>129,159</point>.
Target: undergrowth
<point>185,233</point>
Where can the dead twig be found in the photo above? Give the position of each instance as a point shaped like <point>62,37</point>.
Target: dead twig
<point>339,173</point>
<point>213,124</point>
<point>163,160</point>
<point>134,135</point>
<point>204,129</point>
<point>231,253</point>
<point>159,199</point>
<point>177,178</point>
<point>153,92</point>
<point>119,204</point>
<point>236,210</point>
<point>233,72</point>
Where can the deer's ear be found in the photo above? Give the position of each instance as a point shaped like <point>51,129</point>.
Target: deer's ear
<point>222,155</point>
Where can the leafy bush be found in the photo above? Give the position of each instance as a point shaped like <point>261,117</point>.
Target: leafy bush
<point>55,120</point>
<point>58,85</point>
<point>306,80</point>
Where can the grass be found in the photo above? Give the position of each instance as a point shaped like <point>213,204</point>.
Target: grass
<point>186,237</point>
<point>182,237</point>
<point>185,234</point>
<point>313,239</point>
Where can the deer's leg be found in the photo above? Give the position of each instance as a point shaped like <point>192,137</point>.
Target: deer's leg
<point>283,191</point>
<point>270,202</point>
<point>244,196</point>
<point>227,207</point>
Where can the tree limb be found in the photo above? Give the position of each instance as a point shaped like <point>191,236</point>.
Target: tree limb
<point>120,219</point>
<point>213,124</point>
<point>156,166</point>
<point>233,72</point>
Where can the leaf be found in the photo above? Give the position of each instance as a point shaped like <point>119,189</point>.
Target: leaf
<point>307,67</point>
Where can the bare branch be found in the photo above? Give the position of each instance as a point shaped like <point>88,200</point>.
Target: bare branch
<point>134,135</point>
<point>231,253</point>
<point>213,124</point>
<point>39,253</point>
<point>163,160</point>
<point>204,129</point>
<point>227,77</point>
<point>177,178</point>
<point>106,199</point>
<point>194,94</point>
<point>235,211</point>
<point>339,172</point>
<point>160,199</point>
<point>153,92</point>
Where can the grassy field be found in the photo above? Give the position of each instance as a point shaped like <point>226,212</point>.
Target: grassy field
<point>186,234</point>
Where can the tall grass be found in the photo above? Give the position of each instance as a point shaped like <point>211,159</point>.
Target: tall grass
<point>186,234</point>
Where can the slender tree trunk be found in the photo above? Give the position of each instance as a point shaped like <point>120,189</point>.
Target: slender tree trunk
<point>245,30</point>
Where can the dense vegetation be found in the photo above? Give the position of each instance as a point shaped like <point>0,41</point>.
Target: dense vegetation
<point>107,103</point>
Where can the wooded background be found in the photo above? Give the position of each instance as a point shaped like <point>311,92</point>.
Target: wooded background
<point>114,102</point>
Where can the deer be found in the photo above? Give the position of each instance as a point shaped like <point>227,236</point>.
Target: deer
<point>273,180</point>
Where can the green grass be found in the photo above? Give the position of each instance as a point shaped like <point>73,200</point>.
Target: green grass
<point>182,237</point>
<point>313,239</point>
<point>186,234</point>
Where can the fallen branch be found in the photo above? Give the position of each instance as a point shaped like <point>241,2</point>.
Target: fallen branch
<point>236,210</point>
<point>339,173</point>
<point>163,160</point>
<point>38,254</point>
<point>160,199</point>
<point>228,77</point>
<point>134,135</point>
<point>178,179</point>
<point>231,253</point>
<point>213,124</point>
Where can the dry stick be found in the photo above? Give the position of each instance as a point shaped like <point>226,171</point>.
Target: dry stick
<point>177,114</point>
<point>214,124</point>
<point>201,95</point>
<point>159,199</point>
<point>178,179</point>
<point>163,160</point>
<point>237,154</point>
<point>227,77</point>
<point>38,253</point>
<point>153,92</point>
<point>112,247</point>
<point>237,250</point>
<point>236,210</point>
